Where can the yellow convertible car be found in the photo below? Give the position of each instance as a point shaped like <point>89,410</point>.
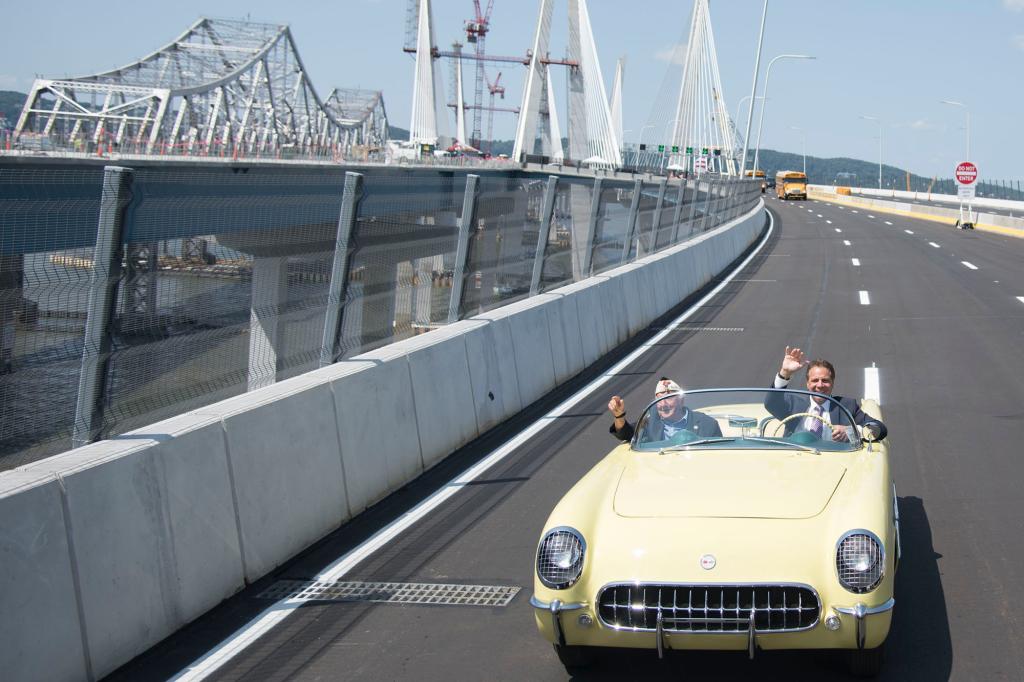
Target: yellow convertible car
<point>777,534</point>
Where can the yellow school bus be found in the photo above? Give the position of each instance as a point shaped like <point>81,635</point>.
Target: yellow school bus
<point>791,185</point>
<point>759,174</point>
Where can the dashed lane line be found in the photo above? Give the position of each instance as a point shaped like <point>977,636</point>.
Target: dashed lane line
<point>864,298</point>
<point>887,222</point>
<point>856,262</point>
<point>871,384</point>
<point>909,231</point>
<point>846,242</point>
<point>969,266</point>
<point>934,245</point>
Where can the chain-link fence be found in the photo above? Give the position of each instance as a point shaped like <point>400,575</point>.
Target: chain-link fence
<point>130,295</point>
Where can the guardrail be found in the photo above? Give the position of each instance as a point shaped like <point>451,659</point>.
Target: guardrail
<point>128,295</point>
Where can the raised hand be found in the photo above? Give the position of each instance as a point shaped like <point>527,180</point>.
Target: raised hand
<point>616,406</point>
<point>793,361</point>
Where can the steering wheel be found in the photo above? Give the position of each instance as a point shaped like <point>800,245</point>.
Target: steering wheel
<point>825,426</point>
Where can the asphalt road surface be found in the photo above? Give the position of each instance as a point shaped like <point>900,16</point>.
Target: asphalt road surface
<point>944,325</point>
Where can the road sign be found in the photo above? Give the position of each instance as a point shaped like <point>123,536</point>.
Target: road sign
<point>965,192</point>
<point>661,147</point>
<point>966,173</point>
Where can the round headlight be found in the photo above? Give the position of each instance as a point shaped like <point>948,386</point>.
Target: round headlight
<point>860,561</point>
<point>560,557</point>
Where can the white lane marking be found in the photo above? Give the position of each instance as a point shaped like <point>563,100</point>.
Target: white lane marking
<point>887,222</point>
<point>852,210</point>
<point>969,266</point>
<point>274,614</point>
<point>935,245</point>
<point>828,221</point>
<point>1021,299</point>
<point>909,231</point>
<point>838,230</point>
<point>864,298</point>
<point>820,216</point>
<point>870,216</point>
<point>846,242</point>
<point>856,262</point>
<point>871,384</point>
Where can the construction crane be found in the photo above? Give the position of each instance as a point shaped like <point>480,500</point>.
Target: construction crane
<point>494,88</point>
<point>476,34</point>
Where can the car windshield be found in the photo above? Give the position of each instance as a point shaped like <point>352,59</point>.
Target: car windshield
<point>746,418</point>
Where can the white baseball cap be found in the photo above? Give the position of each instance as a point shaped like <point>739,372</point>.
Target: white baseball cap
<point>667,386</point>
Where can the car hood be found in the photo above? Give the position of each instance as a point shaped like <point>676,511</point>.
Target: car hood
<point>727,484</point>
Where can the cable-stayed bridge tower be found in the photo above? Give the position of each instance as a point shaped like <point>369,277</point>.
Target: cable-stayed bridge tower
<point>702,120</point>
<point>222,88</point>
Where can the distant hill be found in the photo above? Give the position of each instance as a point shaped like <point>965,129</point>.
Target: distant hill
<point>11,104</point>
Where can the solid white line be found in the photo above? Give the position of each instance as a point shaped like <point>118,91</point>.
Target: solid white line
<point>274,614</point>
<point>909,231</point>
<point>887,222</point>
<point>856,262</point>
<point>970,266</point>
<point>864,299</point>
<point>935,245</point>
<point>871,385</point>
<point>846,242</point>
<point>838,230</point>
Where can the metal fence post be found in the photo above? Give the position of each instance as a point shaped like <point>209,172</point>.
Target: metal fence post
<point>595,211</point>
<point>656,220</point>
<point>678,214</point>
<point>106,270</point>
<point>339,267</point>
<point>543,233</point>
<point>634,210</point>
<point>462,251</point>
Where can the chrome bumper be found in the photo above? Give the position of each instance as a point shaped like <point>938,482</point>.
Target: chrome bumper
<point>555,608</point>
<point>860,612</point>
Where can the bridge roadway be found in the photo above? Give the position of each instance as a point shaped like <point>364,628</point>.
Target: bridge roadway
<point>946,339</point>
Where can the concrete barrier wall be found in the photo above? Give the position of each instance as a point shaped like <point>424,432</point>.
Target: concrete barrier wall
<point>107,549</point>
<point>1002,224</point>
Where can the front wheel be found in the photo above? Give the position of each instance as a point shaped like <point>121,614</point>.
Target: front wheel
<point>575,658</point>
<point>866,662</point>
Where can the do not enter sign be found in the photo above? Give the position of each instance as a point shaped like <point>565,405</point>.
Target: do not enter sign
<point>966,173</point>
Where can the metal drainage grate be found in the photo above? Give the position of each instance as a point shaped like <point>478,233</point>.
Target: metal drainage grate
<point>391,593</point>
<point>700,328</point>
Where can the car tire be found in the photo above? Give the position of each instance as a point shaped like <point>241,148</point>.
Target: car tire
<point>866,662</point>
<point>575,658</point>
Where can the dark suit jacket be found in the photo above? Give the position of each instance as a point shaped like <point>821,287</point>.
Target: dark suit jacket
<point>698,422</point>
<point>782,405</point>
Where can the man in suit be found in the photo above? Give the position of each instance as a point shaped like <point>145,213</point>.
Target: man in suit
<point>821,376</point>
<point>670,417</point>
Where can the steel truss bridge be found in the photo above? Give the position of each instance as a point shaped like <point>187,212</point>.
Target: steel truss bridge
<point>222,88</point>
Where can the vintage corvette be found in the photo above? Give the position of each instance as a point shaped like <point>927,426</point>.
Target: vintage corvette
<point>772,536</point>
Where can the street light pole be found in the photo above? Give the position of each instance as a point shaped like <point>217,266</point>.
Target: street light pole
<point>968,112</point>
<point>764,102</point>
<point>879,122</point>
<point>753,92</point>
<point>803,135</point>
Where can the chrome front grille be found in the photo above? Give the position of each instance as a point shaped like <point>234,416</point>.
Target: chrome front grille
<point>709,608</point>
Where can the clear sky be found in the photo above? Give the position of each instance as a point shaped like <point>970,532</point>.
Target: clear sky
<point>893,60</point>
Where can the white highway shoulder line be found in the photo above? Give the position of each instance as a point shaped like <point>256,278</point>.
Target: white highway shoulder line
<point>864,298</point>
<point>274,614</point>
<point>871,384</point>
<point>969,266</point>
